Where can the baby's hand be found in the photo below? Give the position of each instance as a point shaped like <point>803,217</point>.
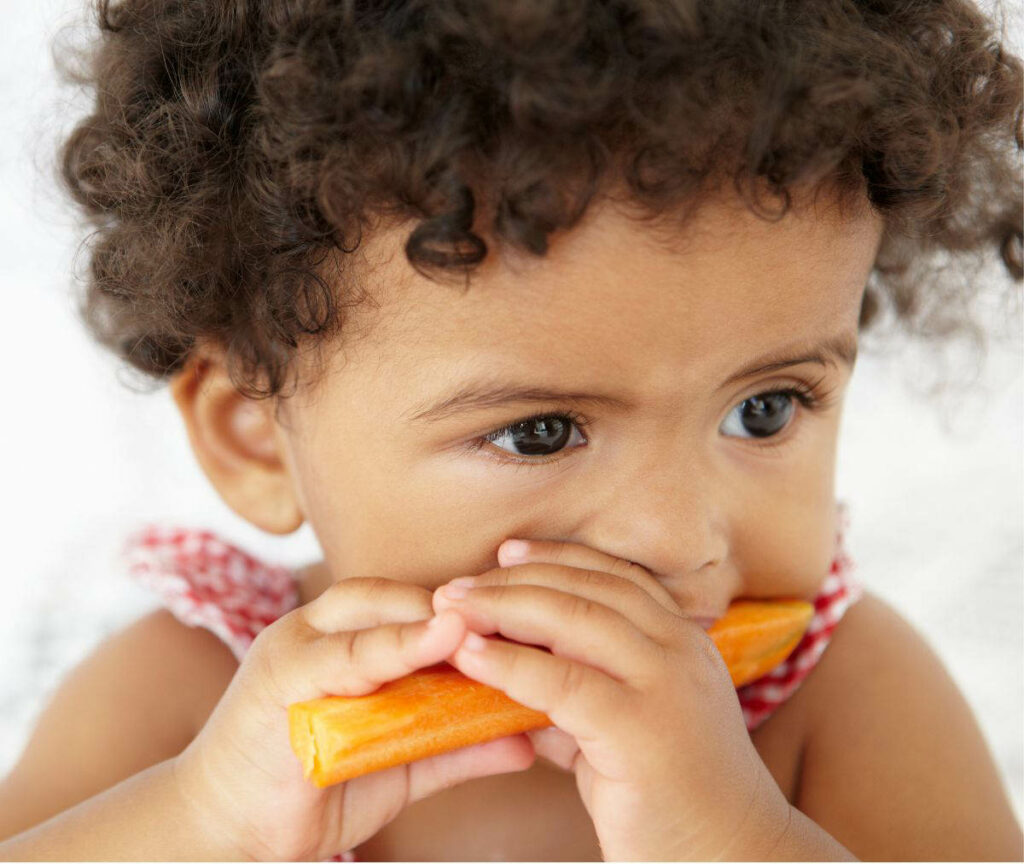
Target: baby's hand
<point>644,710</point>
<point>240,771</point>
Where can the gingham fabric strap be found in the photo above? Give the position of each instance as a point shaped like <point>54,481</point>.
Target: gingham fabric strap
<point>207,582</point>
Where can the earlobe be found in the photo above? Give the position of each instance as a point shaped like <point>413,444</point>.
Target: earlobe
<point>237,444</point>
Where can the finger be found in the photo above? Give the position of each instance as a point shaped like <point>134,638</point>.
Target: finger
<point>572,626</point>
<point>558,747</point>
<point>577,593</point>
<point>582,701</point>
<point>585,558</point>
<point>301,663</point>
<point>370,799</point>
<point>500,756</point>
<point>361,602</point>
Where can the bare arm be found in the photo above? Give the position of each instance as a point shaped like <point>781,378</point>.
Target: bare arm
<point>143,818</point>
<point>136,701</point>
<point>896,766</point>
<point>237,789</point>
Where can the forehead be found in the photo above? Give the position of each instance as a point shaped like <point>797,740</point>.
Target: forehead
<point>617,293</point>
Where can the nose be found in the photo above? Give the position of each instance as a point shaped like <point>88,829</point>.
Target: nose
<point>667,516</point>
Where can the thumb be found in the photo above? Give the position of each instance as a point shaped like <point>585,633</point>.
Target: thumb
<point>500,756</point>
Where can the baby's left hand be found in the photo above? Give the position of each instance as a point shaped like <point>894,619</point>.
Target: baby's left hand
<point>644,711</point>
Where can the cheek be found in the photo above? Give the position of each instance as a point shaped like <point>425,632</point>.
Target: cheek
<point>378,512</point>
<point>407,527</point>
<point>790,553</point>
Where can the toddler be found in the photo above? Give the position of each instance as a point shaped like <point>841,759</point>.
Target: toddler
<point>562,298</point>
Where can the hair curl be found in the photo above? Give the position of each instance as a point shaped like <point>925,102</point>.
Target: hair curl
<point>234,148</point>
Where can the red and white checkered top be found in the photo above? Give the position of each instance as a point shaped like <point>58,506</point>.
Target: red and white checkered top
<point>206,581</point>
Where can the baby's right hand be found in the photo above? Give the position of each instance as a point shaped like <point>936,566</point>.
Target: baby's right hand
<point>240,771</point>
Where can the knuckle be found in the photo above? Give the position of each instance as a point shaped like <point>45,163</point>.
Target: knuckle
<point>405,637</point>
<point>573,678</point>
<point>594,578</point>
<point>337,590</point>
<point>268,635</point>
<point>387,596</point>
<point>662,657</point>
<point>512,663</point>
<point>706,664</point>
<point>579,608</point>
<point>349,648</point>
<point>337,595</point>
<point>495,592</point>
<point>670,626</point>
<point>497,576</point>
<point>675,634</point>
<point>556,553</point>
<point>288,629</point>
<point>371,588</point>
<point>361,651</point>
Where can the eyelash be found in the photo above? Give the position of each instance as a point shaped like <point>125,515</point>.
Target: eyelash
<point>810,397</point>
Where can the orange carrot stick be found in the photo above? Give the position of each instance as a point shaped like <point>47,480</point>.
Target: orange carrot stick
<point>437,708</point>
<point>755,636</point>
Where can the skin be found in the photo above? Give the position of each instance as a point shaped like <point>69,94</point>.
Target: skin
<point>675,482</point>
<point>648,757</point>
<point>713,515</point>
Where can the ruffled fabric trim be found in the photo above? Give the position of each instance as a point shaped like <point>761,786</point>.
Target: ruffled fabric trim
<point>206,582</point>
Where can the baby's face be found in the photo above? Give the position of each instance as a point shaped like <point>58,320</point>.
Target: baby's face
<point>680,467</point>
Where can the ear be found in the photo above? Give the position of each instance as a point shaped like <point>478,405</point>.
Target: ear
<point>238,444</point>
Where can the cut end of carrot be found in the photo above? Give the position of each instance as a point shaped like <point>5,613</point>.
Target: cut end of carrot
<point>300,733</point>
<point>325,732</point>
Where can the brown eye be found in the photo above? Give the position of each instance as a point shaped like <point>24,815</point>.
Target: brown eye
<point>539,436</point>
<point>767,414</point>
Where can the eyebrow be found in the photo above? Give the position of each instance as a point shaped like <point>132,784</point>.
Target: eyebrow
<point>487,393</point>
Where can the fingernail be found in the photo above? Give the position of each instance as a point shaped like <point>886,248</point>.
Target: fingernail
<point>514,550</point>
<point>474,642</point>
<point>457,588</point>
<point>435,622</point>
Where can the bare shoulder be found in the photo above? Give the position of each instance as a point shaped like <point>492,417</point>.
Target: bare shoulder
<point>894,763</point>
<point>137,699</point>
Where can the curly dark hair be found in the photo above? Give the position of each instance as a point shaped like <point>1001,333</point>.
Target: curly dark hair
<point>235,148</point>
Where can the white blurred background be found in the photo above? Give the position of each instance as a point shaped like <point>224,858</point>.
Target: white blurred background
<point>934,485</point>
